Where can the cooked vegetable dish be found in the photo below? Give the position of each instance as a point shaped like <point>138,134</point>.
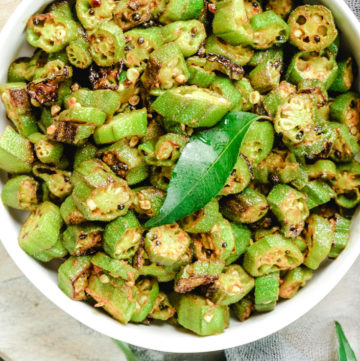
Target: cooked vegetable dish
<point>182,158</point>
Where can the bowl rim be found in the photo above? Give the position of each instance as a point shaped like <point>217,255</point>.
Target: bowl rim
<point>176,340</point>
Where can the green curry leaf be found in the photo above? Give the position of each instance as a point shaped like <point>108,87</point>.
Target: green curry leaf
<point>345,351</point>
<point>204,166</point>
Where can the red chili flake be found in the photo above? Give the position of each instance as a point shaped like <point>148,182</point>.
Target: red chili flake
<point>95,3</point>
<point>212,8</point>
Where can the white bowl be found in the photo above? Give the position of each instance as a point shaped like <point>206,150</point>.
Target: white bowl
<point>164,337</point>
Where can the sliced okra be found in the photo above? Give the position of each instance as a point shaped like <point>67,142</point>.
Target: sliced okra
<point>243,309</point>
<point>280,7</point>
<point>248,94</point>
<point>270,254</point>
<point>108,77</point>
<point>73,277</point>
<point>61,8</point>
<point>266,76</point>
<point>323,169</point>
<point>317,193</point>
<point>242,242</point>
<point>98,193</point>
<point>312,27</point>
<point>148,201</point>
<point>78,53</point>
<point>192,106</point>
<point>293,280</point>
<point>162,308</point>
<point>114,295</point>
<point>341,229</point>
<point>122,237</point>
<point>160,177</point>
<point>200,315</point>
<point>41,230</point>
<point>232,285</point>
<point>175,10</point>
<point>200,74</point>
<point>21,192</point>
<point>86,152</point>
<point>225,87</point>
<point>197,274</point>
<point>18,108</point>
<point>253,8</point>
<point>46,150</point>
<point>128,14</point>
<point>267,292</point>
<point>91,13</point>
<point>344,78</point>
<point>56,251</point>
<point>83,115</point>
<point>224,65</point>
<point>70,214</point>
<point>18,70</point>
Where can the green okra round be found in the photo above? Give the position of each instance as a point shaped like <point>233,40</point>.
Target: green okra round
<point>18,70</point>
<point>162,308</point>
<point>243,309</point>
<point>341,228</point>
<point>148,201</point>
<point>344,78</point>
<point>267,292</point>
<point>225,88</point>
<point>70,214</point>
<point>90,16</point>
<point>46,150</point>
<point>181,10</point>
<point>280,7</point>
<point>293,280</point>
<point>242,242</point>
<point>78,53</point>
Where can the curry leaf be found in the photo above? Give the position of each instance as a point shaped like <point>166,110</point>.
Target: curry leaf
<point>345,351</point>
<point>204,166</point>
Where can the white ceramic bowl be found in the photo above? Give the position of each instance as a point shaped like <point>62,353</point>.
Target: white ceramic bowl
<point>165,337</point>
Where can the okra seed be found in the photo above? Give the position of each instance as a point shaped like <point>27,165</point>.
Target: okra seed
<point>91,12</point>
<point>317,38</point>
<point>155,236</point>
<point>121,207</point>
<point>224,245</point>
<point>141,40</point>
<point>337,154</point>
<point>301,20</point>
<point>158,243</point>
<point>36,21</point>
<point>299,135</point>
<point>82,236</point>
<point>128,48</point>
<point>209,252</point>
<point>67,179</point>
<point>255,5</point>
<point>136,17</point>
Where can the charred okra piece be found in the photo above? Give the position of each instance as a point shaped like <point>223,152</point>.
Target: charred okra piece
<point>114,295</point>
<point>148,201</point>
<point>312,27</point>
<point>73,277</point>
<point>162,309</point>
<point>232,285</point>
<point>91,13</point>
<point>319,238</point>
<point>16,152</point>
<point>246,207</point>
<point>290,208</point>
<point>147,291</point>
<point>98,193</point>
<point>122,237</point>
<point>106,44</point>
<point>70,214</point>
<point>167,245</point>
<point>21,192</point>
<point>166,68</point>
<point>58,181</point>
<point>46,150</point>
<point>123,125</point>
<point>267,292</point>
<point>272,253</point>
<point>188,35</point>
<point>82,240</point>
<point>192,106</point>
<point>293,280</point>
<point>114,267</point>
<point>341,229</point>
<point>181,10</point>
<point>50,32</point>
<point>197,274</point>
<point>18,108</point>
<point>41,230</point>
<point>200,315</point>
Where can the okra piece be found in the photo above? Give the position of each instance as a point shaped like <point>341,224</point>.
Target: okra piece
<point>280,7</point>
<point>107,77</point>
<point>98,193</point>
<point>167,244</point>
<point>41,230</point>
<point>197,274</point>
<point>232,285</point>
<point>70,133</point>
<point>188,35</point>
<point>114,295</point>
<point>56,251</point>
<point>290,208</point>
<point>263,56</point>
<point>148,201</point>
<point>86,152</point>
<point>73,277</point>
<point>122,237</point>
<point>242,242</point>
<point>128,14</point>
<point>21,192</point>
<point>319,237</point>
<point>91,13</point>
<point>344,78</point>
<point>249,95</point>
<point>115,268</point>
<point>181,10</point>
<point>58,181</point>
<point>341,229</point>
<point>46,150</point>
<point>46,119</point>
<point>224,65</point>
<point>258,141</point>
<point>246,207</point>
<point>200,75</point>
<point>239,179</point>
<point>18,70</point>
<point>50,32</point>
<point>70,214</point>
<point>293,280</point>
<point>147,291</point>
<point>166,68</point>
<point>218,244</point>
<point>16,152</point>
<point>192,106</point>
<point>272,253</point>
<point>160,177</point>
<point>78,53</point>
<point>317,193</point>
<point>140,43</point>
<point>225,88</point>
<point>279,166</point>
<point>345,109</point>
<point>305,66</point>
<point>106,44</point>
<point>266,76</point>
<point>200,315</point>
<point>162,308</point>
<point>269,30</point>
<point>243,309</point>
<point>61,8</point>
<point>231,22</point>
<point>81,240</point>
<point>18,107</point>
<point>203,220</point>
<point>323,169</point>
<point>312,27</point>
<point>253,8</point>
<point>267,292</point>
